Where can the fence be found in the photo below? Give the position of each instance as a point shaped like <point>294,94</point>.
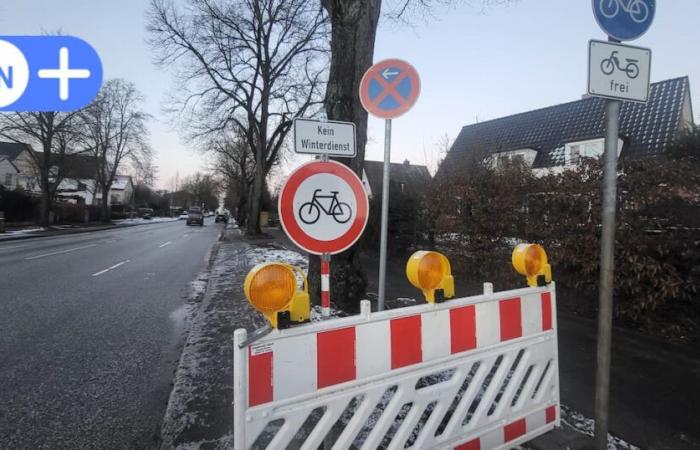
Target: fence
<point>472,373</point>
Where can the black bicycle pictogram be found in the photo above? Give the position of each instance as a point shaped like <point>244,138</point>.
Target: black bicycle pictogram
<point>310,212</point>
<point>609,64</point>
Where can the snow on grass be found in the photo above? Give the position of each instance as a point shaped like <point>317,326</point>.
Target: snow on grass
<point>139,220</point>
<point>581,424</point>
<point>258,255</point>
<point>22,231</point>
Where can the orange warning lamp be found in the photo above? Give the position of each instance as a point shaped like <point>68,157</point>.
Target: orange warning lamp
<point>272,289</point>
<point>530,260</point>
<point>430,272</point>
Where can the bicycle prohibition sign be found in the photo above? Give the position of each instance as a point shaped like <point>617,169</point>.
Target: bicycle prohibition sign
<point>310,212</point>
<point>323,207</point>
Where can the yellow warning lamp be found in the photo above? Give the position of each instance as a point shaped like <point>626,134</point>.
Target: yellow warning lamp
<point>430,272</point>
<point>530,260</point>
<point>272,289</point>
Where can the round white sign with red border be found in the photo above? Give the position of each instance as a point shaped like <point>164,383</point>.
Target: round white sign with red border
<point>323,207</point>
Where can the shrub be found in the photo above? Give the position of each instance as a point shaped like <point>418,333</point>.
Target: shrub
<point>18,206</point>
<point>483,213</point>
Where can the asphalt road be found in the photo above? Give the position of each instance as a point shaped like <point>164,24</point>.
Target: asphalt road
<point>90,330</point>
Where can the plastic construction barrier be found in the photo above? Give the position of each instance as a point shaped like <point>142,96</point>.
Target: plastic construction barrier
<point>478,372</point>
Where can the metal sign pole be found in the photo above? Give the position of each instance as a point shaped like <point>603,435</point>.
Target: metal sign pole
<point>385,215</point>
<point>607,268</point>
<point>325,273</point>
<point>325,285</point>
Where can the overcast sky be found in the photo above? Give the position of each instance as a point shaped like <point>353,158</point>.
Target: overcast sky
<point>472,65</point>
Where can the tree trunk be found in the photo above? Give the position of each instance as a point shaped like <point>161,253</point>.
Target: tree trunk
<point>354,28</point>
<point>105,215</point>
<point>45,207</point>
<point>253,225</point>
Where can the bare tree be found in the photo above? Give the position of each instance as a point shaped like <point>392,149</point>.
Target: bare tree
<point>52,136</point>
<point>353,32</point>
<point>115,133</point>
<point>235,162</point>
<point>250,64</point>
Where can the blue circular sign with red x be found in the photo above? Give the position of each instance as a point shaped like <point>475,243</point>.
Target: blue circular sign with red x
<point>389,88</point>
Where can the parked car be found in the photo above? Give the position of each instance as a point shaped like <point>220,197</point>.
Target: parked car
<point>195,215</point>
<point>146,213</point>
<point>221,217</point>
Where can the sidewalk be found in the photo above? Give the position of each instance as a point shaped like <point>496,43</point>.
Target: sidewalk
<point>59,230</point>
<point>200,412</point>
<point>654,404</point>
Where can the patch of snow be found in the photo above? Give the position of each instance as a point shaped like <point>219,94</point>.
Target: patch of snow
<point>581,424</point>
<point>258,255</point>
<point>140,220</point>
<point>22,231</point>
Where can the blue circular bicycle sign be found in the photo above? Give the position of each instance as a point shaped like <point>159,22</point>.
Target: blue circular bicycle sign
<point>624,20</point>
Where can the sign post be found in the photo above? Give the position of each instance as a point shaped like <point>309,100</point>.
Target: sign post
<point>388,89</point>
<point>625,66</point>
<point>323,209</point>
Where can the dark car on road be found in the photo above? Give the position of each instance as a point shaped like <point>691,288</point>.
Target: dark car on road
<point>221,217</point>
<point>195,215</point>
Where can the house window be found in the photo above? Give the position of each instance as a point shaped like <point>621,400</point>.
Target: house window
<point>587,149</point>
<point>8,179</point>
<point>574,154</point>
<point>402,186</point>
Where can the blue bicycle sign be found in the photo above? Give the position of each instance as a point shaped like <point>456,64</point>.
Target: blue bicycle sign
<point>624,20</point>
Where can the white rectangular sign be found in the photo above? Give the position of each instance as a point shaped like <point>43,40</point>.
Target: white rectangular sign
<point>618,71</point>
<point>324,137</point>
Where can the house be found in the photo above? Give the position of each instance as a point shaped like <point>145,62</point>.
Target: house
<point>554,138</point>
<point>8,173</point>
<point>409,179</point>
<point>122,192</point>
<point>79,184</point>
<point>17,166</point>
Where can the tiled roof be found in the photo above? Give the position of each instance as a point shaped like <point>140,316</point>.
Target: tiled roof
<point>647,128</point>
<point>11,150</point>
<point>415,178</point>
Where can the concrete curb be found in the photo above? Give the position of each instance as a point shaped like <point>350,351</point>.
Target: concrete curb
<point>73,231</point>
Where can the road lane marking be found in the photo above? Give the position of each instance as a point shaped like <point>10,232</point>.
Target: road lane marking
<point>97,274</point>
<point>163,245</point>
<point>60,252</point>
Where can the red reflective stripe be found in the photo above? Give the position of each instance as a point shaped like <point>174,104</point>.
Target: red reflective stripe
<point>335,358</point>
<point>406,341</point>
<point>325,267</point>
<point>514,430</point>
<point>471,445</point>
<point>511,320</point>
<point>546,311</point>
<point>550,414</point>
<point>462,329</point>
<point>259,378</point>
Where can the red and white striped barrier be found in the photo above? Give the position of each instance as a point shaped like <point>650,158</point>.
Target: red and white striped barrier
<point>502,346</point>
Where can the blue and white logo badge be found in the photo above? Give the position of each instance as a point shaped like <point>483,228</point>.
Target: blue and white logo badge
<point>624,20</point>
<point>47,73</point>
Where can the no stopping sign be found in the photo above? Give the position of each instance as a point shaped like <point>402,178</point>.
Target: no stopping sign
<point>323,207</point>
